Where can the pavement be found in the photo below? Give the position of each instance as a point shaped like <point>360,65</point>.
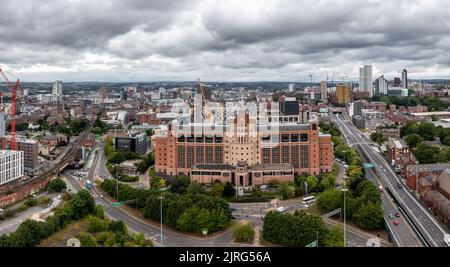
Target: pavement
<point>428,227</point>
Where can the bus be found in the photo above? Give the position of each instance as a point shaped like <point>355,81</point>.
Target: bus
<point>308,199</point>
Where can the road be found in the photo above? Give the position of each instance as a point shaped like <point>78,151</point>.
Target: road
<point>141,225</point>
<point>428,228</point>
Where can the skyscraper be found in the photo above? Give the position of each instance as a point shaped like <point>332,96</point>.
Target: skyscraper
<point>365,79</point>
<point>57,88</point>
<point>357,106</point>
<point>343,93</point>
<point>381,86</point>
<point>323,91</point>
<point>291,87</point>
<point>405,78</point>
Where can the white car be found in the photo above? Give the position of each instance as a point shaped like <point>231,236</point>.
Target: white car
<point>281,209</point>
<point>263,186</point>
<point>59,196</point>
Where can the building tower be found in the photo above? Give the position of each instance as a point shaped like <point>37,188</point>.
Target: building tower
<point>365,79</point>
<point>323,91</point>
<point>57,88</point>
<point>405,78</point>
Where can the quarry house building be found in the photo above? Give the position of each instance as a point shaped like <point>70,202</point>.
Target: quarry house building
<point>242,156</point>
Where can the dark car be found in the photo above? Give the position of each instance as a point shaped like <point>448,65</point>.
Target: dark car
<point>397,214</point>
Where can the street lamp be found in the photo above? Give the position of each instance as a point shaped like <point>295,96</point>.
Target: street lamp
<point>345,232</point>
<point>161,235</point>
<point>117,184</point>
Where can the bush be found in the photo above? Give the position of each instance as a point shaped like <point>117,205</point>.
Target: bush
<point>128,179</point>
<point>329,200</point>
<point>244,233</point>
<point>286,190</point>
<point>44,201</point>
<point>56,185</point>
<point>97,225</point>
<point>87,240</point>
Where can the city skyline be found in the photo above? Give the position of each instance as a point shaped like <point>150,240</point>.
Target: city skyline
<point>276,41</point>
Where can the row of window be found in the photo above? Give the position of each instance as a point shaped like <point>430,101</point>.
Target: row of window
<point>256,174</point>
<point>200,139</point>
<point>285,138</point>
<point>202,155</point>
<point>272,155</point>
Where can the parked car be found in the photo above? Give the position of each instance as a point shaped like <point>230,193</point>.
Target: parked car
<point>397,214</point>
<point>391,216</point>
<point>59,196</point>
<point>396,222</point>
<point>281,209</point>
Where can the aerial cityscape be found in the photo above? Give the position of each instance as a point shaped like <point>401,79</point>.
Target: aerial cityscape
<point>179,124</point>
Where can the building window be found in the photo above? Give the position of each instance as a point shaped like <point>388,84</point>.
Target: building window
<point>208,139</point>
<point>181,139</point>
<point>190,156</point>
<point>209,154</point>
<point>285,151</point>
<point>218,154</point>
<point>199,155</point>
<point>276,155</point>
<point>181,156</point>
<point>285,138</point>
<point>294,137</point>
<point>304,156</point>
<point>218,139</point>
<point>190,139</point>
<point>295,157</point>
<point>199,139</point>
<point>304,137</point>
<point>266,155</point>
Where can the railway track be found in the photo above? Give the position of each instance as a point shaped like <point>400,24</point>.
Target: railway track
<point>67,158</point>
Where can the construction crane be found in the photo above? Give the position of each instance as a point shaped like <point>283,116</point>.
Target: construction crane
<point>13,89</point>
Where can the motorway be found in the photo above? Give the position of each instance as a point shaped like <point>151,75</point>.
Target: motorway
<point>428,229</point>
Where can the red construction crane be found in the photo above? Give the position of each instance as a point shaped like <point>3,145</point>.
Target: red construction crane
<point>14,89</point>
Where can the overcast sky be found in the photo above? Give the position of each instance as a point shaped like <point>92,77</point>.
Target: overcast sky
<point>150,40</point>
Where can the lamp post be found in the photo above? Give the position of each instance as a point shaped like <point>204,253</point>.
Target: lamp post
<point>161,235</point>
<point>345,228</point>
<point>117,184</point>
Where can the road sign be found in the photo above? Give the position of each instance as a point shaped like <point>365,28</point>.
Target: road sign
<point>116,204</point>
<point>312,244</point>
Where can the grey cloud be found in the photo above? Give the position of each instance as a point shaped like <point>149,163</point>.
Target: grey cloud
<point>279,39</point>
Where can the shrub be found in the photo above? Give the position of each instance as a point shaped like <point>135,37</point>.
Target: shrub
<point>56,185</point>
<point>244,233</point>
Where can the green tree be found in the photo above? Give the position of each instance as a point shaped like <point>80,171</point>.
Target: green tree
<point>116,157</point>
<point>378,137</point>
<point>286,190</point>
<point>329,200</point>
<point>195,188</point>
<point>97,225</point>
<point>369,216</point>
<point>56,185</point>
<point>217,189</point>
<point>157,182</point>
<point>82,204</point>
<point>228,190</point>
<point>413,139</point>
<point>334,238</point>
<point>87,240</point>
<point>426,154</point>
<point>244,232</point>
<point>428,131</point>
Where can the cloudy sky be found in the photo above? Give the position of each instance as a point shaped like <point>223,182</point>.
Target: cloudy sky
<point>152,40</point>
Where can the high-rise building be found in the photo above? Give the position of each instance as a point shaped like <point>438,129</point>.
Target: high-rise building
<point>2,124</point>
<point>11,165</point>
<point>291,87</point>
<point>405,78</point>
<point>289,106</point>
<point>357,107</point>
<point>365,79</point>
<point>381,86</point>
<point>137,143</point>
<point>343,93</point>
<point>397,82</point>
<point>29,147</point>
<point>57,88</point>
<point>242,156</point>
<point>323,90</point>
